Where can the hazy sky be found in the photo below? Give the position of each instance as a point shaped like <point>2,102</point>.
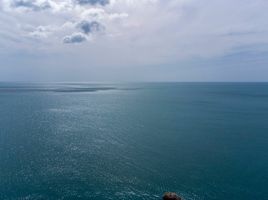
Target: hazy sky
<point>133,40</point>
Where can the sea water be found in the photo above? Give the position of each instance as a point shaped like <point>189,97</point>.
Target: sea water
<point>133,141</point>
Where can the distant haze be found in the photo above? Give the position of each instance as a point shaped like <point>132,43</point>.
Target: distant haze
<point>133,40</point>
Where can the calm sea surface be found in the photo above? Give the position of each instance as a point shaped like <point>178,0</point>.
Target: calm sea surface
<point>133,141</point>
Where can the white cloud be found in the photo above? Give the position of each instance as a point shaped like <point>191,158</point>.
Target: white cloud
<point>75,38</point>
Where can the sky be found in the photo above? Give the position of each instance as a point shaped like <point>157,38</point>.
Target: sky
<point>133,40</point>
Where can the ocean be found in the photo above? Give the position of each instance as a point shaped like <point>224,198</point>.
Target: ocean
<point>133,141</point>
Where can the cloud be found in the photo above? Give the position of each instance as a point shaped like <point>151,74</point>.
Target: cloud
<point>41,32</point>
<point>93,2</point>
<point>86,28</point>
<point>90,27</point>
<point>36,5</point>
<point>146,32</point>
<point>74,38</point>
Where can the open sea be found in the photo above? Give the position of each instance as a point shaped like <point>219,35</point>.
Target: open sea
<point>78,141</point>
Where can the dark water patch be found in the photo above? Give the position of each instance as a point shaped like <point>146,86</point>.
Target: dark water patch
<point>53,89</point>
<point>83,89</point>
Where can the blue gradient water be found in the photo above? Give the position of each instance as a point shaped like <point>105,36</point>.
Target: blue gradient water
<point>133,141</point>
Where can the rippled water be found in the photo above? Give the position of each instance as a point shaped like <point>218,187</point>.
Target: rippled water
<point>133,141</point>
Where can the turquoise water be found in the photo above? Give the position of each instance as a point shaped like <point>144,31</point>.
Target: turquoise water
<point>133,141</point>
